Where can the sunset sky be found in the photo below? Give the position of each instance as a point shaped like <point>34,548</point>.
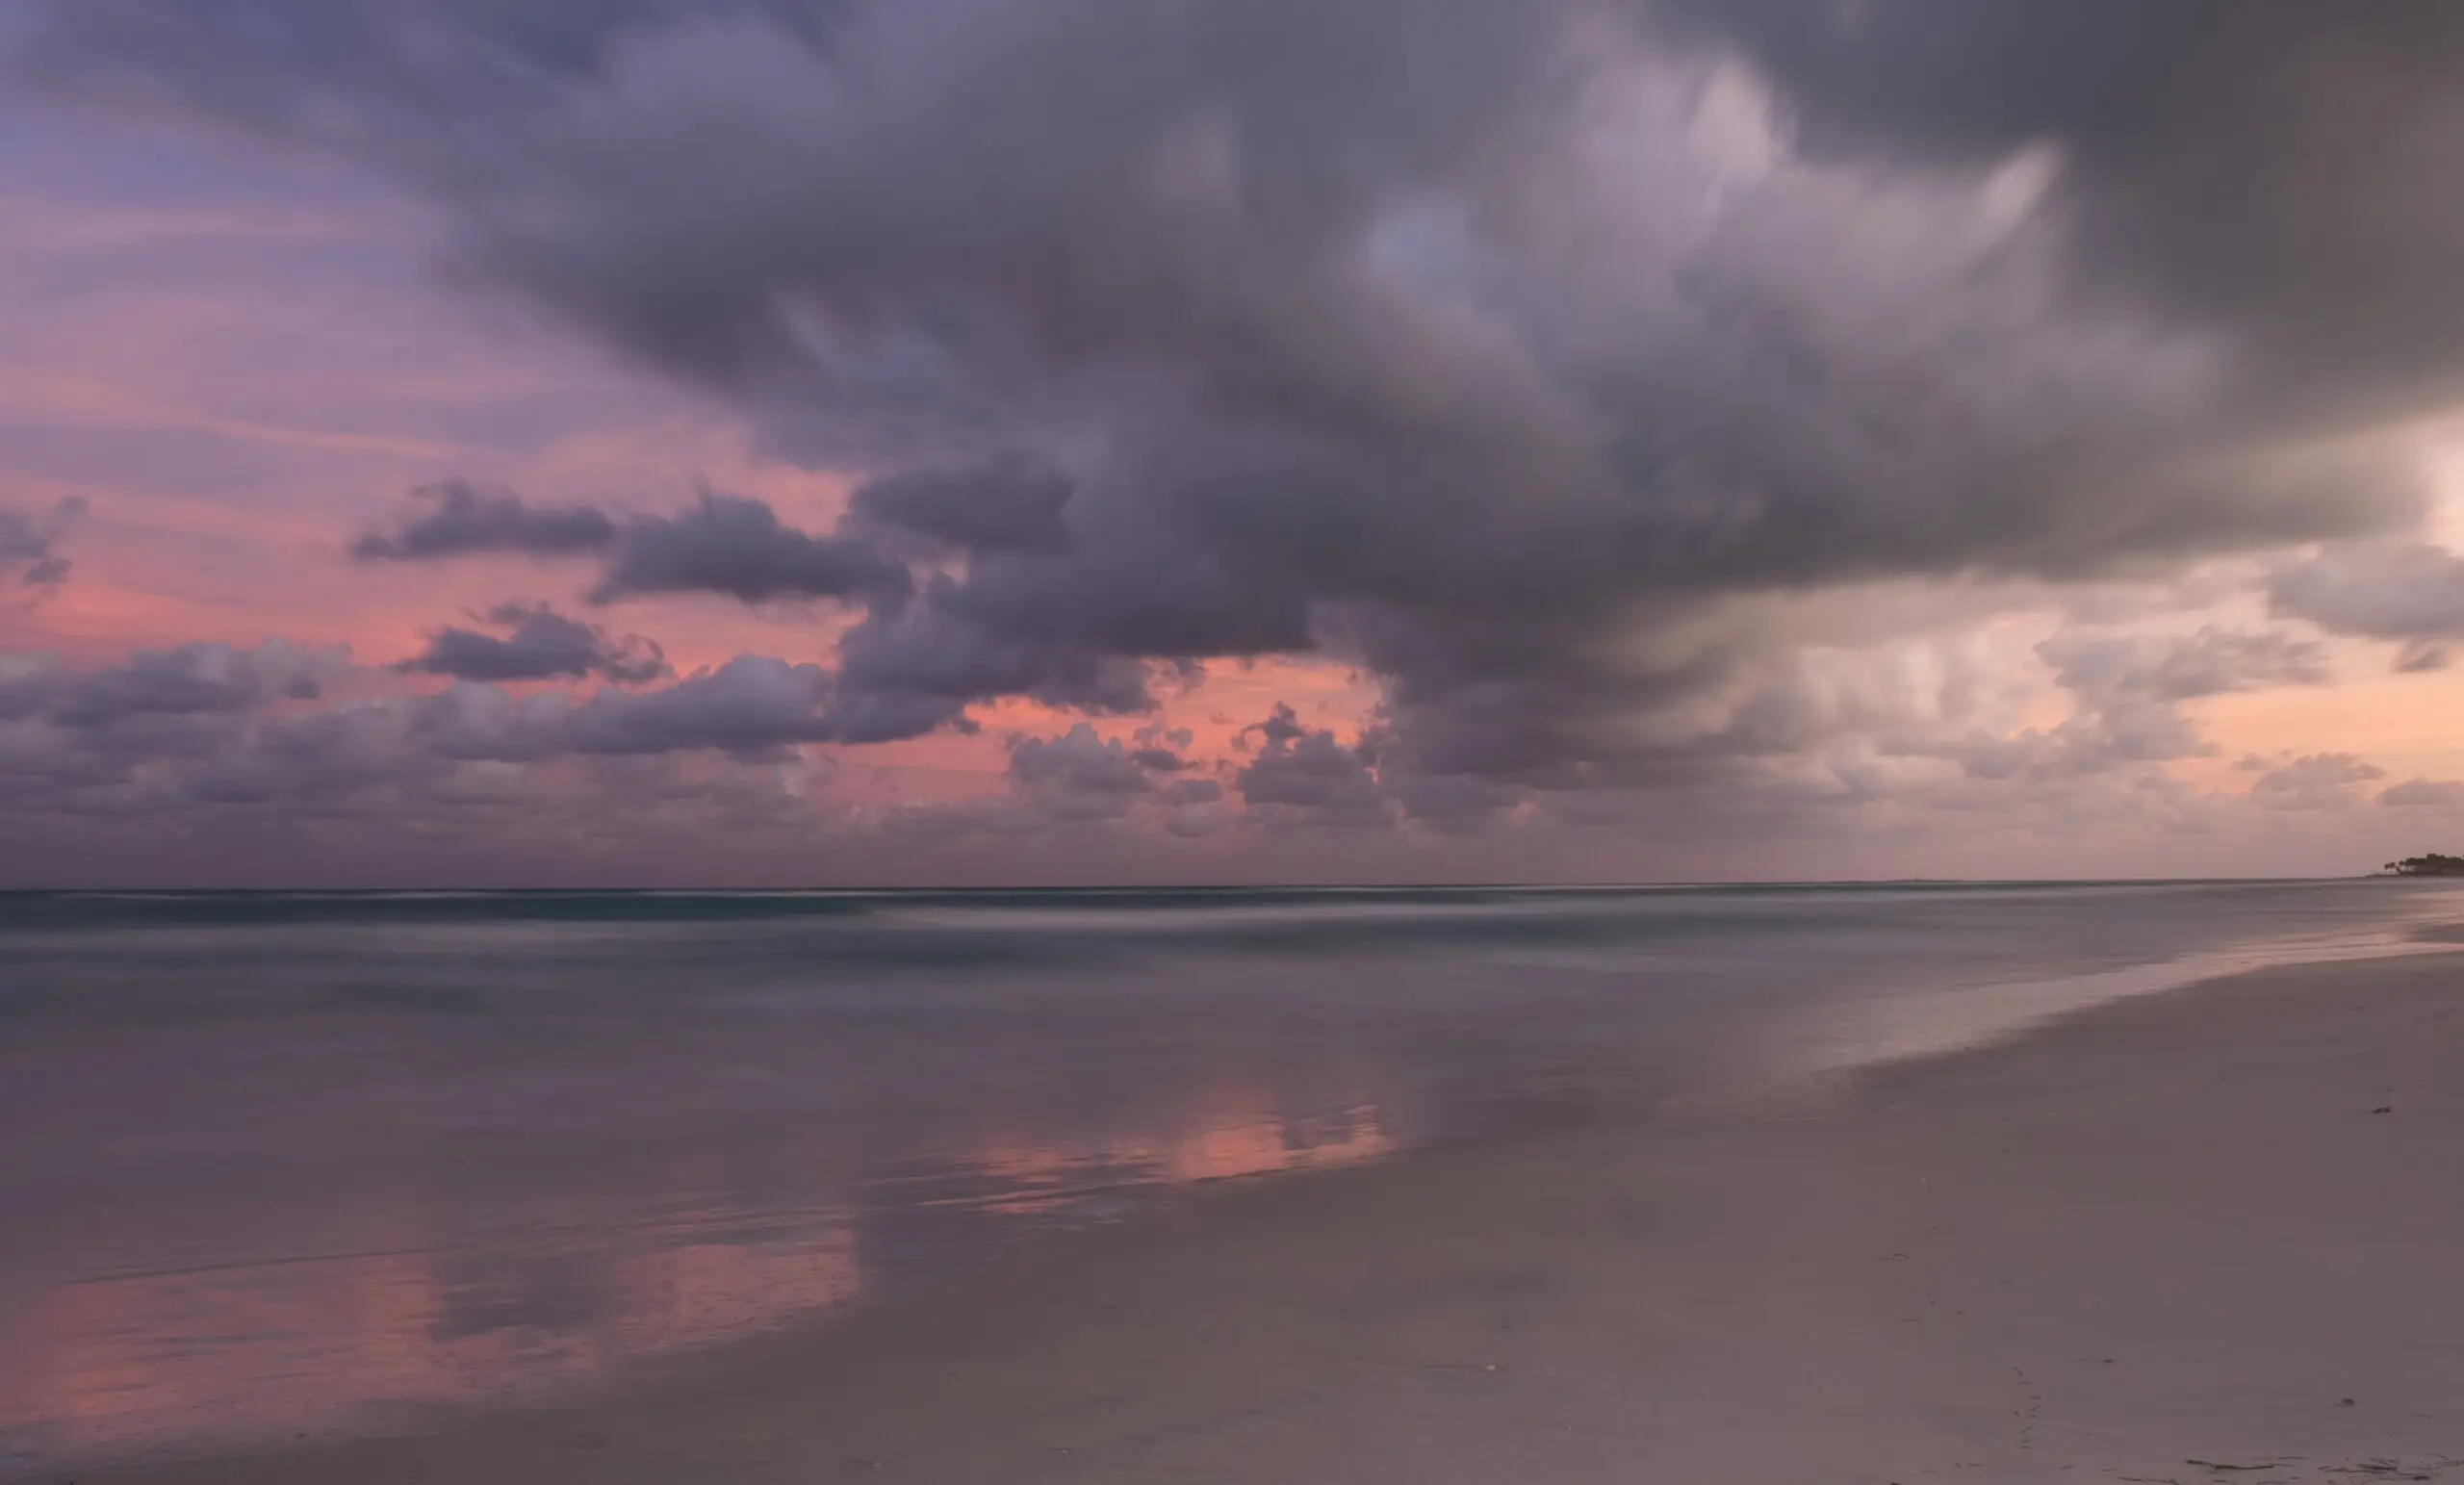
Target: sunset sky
<point>952,442</point>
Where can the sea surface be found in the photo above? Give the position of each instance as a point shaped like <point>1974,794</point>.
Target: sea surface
<point>305,1164</point>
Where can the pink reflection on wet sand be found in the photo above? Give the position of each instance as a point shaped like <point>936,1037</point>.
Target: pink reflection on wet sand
<point>399,1326</point>
<point>384,1336</point>
<point>1232,1134</point>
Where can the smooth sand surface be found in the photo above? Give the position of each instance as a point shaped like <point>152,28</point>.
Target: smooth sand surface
<point>2164,1241</point>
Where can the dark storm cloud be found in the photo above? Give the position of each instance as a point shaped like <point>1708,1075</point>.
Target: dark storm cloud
<point>1079,775</point>
<point>323,755</point>
<point>951,647</point>
<point>249,65</point>
<point>190,680</point>
<point>461,520</point>
<point>213,717</point>
<point>66,733</point>
<point>540,644</point>
<point>721,544</point>
<point>750,705</point>
<point>2406,591</point>
<point>2282,169</point>
<point>1003,506</point>
<point>1082,762</point>
<point>1307,774</point>
<point>1502,349</point>
<point>30,543</point>
<point>729,545</point>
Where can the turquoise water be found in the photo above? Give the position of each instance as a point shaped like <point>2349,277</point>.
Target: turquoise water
<point>301,1163</point>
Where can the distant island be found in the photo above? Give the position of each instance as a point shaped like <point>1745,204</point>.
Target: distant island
<point>2431,865</point>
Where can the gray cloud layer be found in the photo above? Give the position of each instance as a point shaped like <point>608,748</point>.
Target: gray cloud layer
<point>247,765</point>
<point>540,644</point>
<point>458,519</point>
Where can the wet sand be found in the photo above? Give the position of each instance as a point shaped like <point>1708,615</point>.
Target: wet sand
<point>2212,1234</point>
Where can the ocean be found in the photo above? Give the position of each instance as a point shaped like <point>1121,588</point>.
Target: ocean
<point>284,1164</point>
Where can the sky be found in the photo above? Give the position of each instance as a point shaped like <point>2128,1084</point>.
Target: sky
<point>787,443</point>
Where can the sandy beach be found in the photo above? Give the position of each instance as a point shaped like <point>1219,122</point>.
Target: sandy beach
<point>2210,1234</point>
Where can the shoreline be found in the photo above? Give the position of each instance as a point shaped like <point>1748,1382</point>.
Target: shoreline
<point>2158,1230</point>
